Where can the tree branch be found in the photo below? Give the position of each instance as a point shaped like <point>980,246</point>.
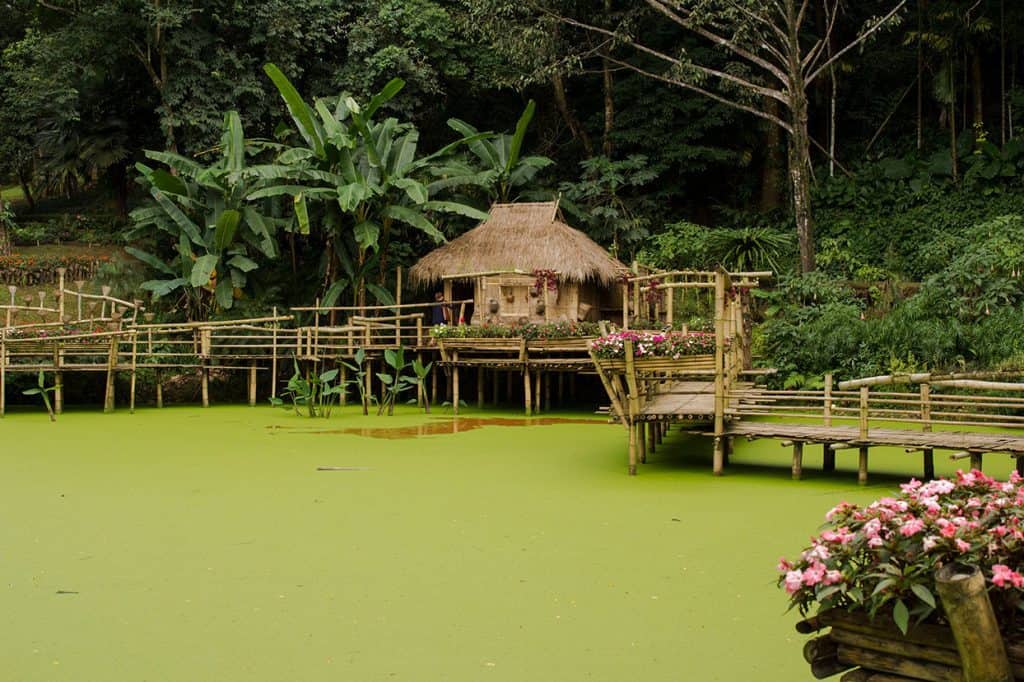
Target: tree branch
<point>707,93</point>
<point>830,157</point>
<point>715,73</point>
<point>720,41</point>
<point>857,41</point>
<point>820,47</point>
<point>56,8</point>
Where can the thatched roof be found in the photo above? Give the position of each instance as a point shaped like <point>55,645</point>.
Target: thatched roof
<point>526,236</point>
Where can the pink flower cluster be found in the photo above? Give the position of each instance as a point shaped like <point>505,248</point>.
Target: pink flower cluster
<point>884,555</point>
<point>648,344</point>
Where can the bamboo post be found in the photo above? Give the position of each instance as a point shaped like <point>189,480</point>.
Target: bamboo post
<point>547,391</point>
<point>862,465</point>
<point>368,383</point>
<point>495,386</point>
<point>60,293</point>
<point>527,399</point>
<point>537,374</point>
<point>510,376</point>
<point>108,397</point>
<point>641,441</point>
<point>828,455</point>
<point>455,382</point>
<point>3,372</point>
<point>670,304</point>
<point>719,445</point>
<point>159,389</point>
<point>252,384</point>
<point>652,443</point>
<point>480,387</point>
<point>928,454</point>
<point>625,306</point>
<point>135,363</point>
<point>632,450</point>
<point>863,413</point>
<point>343,380</point>
<point>273,357</point>
<point>419,331</point>
<point>975,630</point>
<point>798,460</point>
<point>561,389</point>
<point>547,304</point>
<point>433,386</point>
<point>976,458</point>
<point>204,378</point>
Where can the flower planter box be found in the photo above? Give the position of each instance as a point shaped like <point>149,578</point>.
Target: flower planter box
<point>926,652</point>
<point>688,364</point>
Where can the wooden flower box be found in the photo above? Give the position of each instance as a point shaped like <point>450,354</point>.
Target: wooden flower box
<point>876,650</point>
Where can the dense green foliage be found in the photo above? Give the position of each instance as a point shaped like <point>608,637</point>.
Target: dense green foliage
<point>416,114</point>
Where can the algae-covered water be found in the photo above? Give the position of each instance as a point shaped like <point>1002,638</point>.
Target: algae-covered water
<point>190,544</point>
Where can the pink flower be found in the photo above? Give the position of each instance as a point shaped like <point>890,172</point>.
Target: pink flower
<point>929,542</point>
<point>1002,576</point>
<point>912,526</point>
<point>833,577</point>
<point>910,487</point>
<point>784,566</point>
<point>813,574</point>
<point>794,581</point>
<point>963,546</point>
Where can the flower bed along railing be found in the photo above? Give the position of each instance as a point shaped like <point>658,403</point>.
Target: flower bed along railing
<point>529,331</point>
<point>39,270</point>
<point>673,345</point>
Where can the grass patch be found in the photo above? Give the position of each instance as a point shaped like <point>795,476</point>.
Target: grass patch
<point>12,194</point>
<point>206,544</point>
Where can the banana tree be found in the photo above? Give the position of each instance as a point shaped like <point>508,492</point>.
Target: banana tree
<point>366,177</point>
<point>504,169</point>
<point>216,233</point>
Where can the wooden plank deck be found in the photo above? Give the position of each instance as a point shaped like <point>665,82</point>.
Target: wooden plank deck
<point>936,440</point>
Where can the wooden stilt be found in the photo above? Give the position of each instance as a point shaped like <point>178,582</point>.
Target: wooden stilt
<point>1020,466</point>
<point>368,384</point>
<point>527,397</point>
<point>652,439</point>
<point>659,432</point>
<point>252,384</point>
<point>976,461</point>
<point>726,450</point>
<point>273,358</point>
<point>480,374</point>
<point>547,392</point>
<point>572,387</point>
<point>632,450</point>
<point>496,379</point>
<point>3,375</point>
<point>862,466</point>
<point>561,389</point>
<point>455,383</point>
<point>58,392</point>
<point>510,386</point>
<point>134,377</point>
<point>718,466</point>
<point>798,460</point>
<point>159,389</point>
<point>343,382</point>
<point>641,442</point>
<point>433,385</point>
<point>537,374</point>
<point>205,381</point>
<point>929,464</point>
<point>828,457</point>
<point>108,397</point>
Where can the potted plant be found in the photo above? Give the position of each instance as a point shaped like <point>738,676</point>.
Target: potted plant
<point>875,572</point>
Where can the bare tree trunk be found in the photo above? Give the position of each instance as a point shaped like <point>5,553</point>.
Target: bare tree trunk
<point>977,90</point>
<point>5,240</point>
<point>26,188</point>
<point>920,73</point>
<point>562,102</point>
<point>1002,72</point>
<point>609,98</point>
<point>771,183</point>
<point>800,182</point>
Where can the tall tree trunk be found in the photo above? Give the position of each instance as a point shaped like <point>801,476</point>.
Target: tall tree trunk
<point>562,102</point>
<point>609,98</point>
<point>920,73</point>
<point>977,90</point>
<point>1002,72</point>
<point>5,240</point>
<point>771,183</point>
<point>26,188</point>
<point>800,181</point>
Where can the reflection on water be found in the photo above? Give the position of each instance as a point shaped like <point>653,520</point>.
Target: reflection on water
<point>437,428</point>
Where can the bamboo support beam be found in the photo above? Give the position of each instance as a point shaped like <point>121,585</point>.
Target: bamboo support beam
<point>798,461</point>
<point>978,639</point>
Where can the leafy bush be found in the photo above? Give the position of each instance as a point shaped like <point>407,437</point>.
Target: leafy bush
<point>72,227</point>
<point>33,270</point>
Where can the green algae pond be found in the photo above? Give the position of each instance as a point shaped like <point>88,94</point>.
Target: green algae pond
<point>238,543</point>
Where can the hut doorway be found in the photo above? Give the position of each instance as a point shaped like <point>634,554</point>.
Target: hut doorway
<point>462,291</point>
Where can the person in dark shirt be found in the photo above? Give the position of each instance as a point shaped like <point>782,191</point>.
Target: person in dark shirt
<point>439,313</point>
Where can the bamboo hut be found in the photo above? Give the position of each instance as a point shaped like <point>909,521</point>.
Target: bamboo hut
<point>525,263</point>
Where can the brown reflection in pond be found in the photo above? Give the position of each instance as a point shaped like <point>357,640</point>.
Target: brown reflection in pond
<point>439,428</point>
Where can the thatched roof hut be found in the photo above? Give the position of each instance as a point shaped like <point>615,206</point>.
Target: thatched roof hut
<point>495,262</point>
<point>526,237</point>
